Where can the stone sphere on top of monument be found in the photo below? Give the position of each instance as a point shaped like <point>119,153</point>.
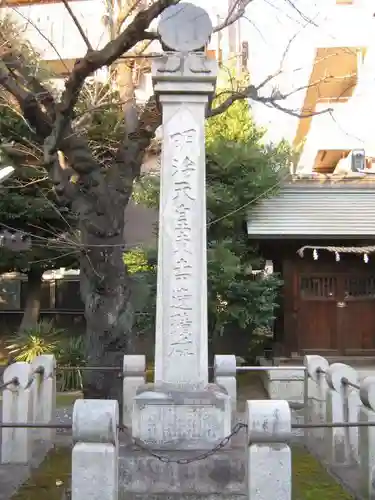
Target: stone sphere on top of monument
<point>184,28</point>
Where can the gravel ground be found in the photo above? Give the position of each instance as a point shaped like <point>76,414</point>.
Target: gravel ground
<point>64,416</point>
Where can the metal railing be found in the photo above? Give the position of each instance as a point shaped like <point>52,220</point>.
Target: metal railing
<point>253,437</point>
<point>14,381</point>
<point>295,405</point>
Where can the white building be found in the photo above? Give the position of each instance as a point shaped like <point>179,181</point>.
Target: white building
<point>51,31</point>
<point>323,55</point>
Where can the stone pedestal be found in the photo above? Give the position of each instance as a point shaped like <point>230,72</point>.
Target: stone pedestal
<point>219,476</point>
<point>167,417</point>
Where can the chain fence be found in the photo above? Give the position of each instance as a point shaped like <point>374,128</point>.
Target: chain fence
<point>254,437</point>
<point>171,454</point>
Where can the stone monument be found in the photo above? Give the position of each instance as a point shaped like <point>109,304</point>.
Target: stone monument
<point>181,410</point>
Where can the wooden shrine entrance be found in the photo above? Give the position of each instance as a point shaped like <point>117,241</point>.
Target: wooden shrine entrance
<point>336,312</point>
<point>328,306</point>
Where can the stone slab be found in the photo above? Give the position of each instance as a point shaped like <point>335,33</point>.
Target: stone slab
<point>221,473</point>
<point>170,417</point>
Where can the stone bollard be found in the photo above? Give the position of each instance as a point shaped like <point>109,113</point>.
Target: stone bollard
<point>269,467</point>
<point>95,452</point>
<point>367,437</point>
<point>337,439</point>
<point>44,394</point>
<point>225,375</point>
<point>316,367</point>
<point>134,375</point>
<point>17,408</point>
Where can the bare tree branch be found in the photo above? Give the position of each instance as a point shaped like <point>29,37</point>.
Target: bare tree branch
<point>40,32</point>
<point>273,100</point>
<point>138,141</point>
<point>125,13</point>
<point>95,60</point>
<point>151,35</point>
<point>301,14</point>
<point>27,102</point>
<point>16,63</point>
<point>281,66</point>
<point>251,92</point>
<point>236,11</point>
<point>78,25</point>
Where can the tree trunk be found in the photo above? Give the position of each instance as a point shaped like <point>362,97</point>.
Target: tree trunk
<point>105,290</point>
<point>126,88</point>
<point>33,296</point>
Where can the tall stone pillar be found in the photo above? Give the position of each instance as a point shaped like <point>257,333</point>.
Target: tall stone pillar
<point>180,407</point>
<point>183,84</point>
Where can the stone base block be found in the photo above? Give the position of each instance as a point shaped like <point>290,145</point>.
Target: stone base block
<point>220,474</point>
<point>169,417</point>
<point>285,384</point>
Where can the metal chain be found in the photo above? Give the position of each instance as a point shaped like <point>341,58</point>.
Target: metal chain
<point>183,461</point>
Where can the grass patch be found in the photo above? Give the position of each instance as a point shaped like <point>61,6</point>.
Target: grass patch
<point>67,398</point>
<point>50,479</point>
<point>311,481</point>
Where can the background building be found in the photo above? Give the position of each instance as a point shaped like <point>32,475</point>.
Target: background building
<point>322,53</point>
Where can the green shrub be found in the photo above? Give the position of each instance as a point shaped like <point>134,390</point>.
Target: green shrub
<point>46,339</point>
<point>28,344</point>
<point>70,354</point>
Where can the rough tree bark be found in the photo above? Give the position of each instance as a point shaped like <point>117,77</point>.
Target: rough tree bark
<point>33,297</point>
<point>105,289</point>
<point>100,201</point>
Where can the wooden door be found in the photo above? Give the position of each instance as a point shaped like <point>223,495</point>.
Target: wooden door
<point>336,313</point>
<point>317,312</point>
<point>356,317</point>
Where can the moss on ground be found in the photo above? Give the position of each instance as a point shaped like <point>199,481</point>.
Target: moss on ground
<point>65,399</point>
<point>311,481</point>
<point>53,475</point>
<point>50,479</point>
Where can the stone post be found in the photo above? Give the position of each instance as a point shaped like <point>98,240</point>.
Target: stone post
<point>134,375</point>
<point>225,375</point>
<point>367,437</point>
<point>269,467</point>
<point>16,408</point>
<point>337,439</point>
<point>316,367</point>
<point>44,394</point>
<point>95,452</point>
<point>183,81</point>
<point>181,409</point>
